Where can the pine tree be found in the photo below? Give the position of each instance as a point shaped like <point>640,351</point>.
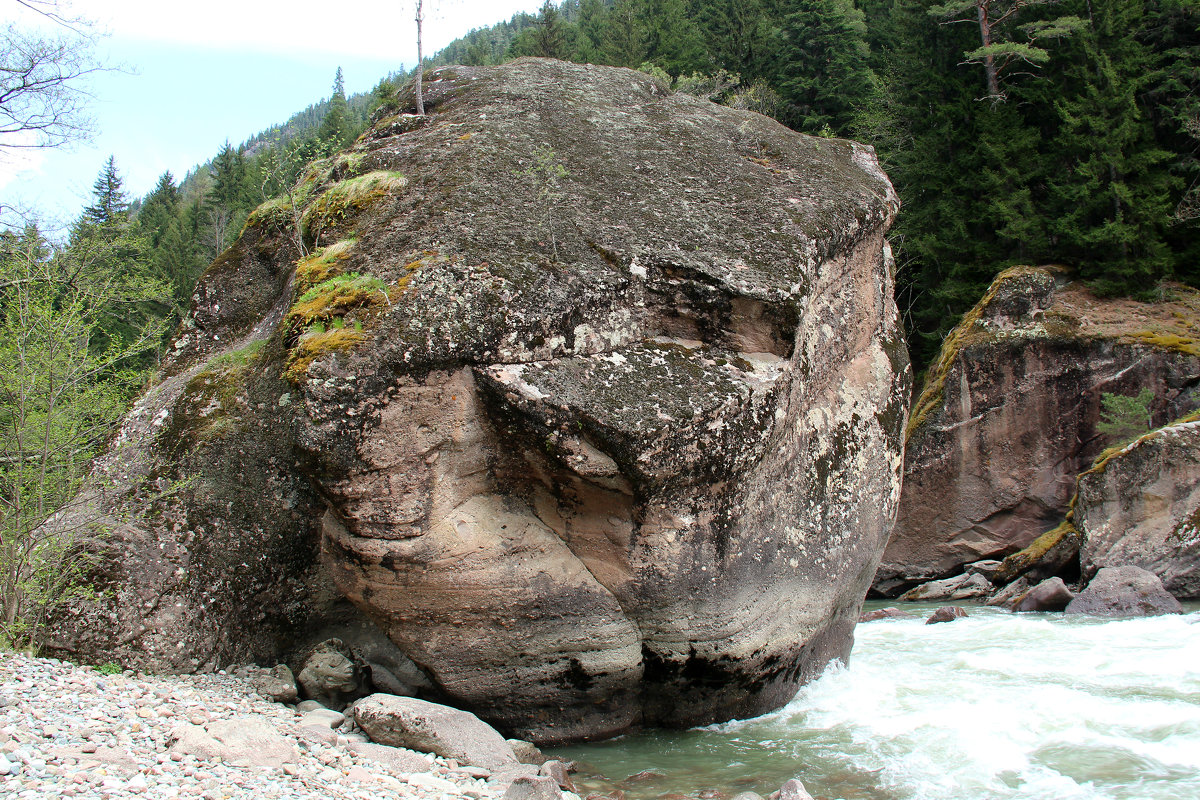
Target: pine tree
<point>336,128</point>
<point>1112,195</point>
<point>623,40</point>
<point>549,36</point>
<point>110,205</point>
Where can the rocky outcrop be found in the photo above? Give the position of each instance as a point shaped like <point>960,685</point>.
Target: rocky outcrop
<point>1007,417</point>
<point>1124,592</point>
<point>588,395</point>
<point>1140,505</point>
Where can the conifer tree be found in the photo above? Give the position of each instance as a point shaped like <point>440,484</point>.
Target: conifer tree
<point>824,72</point>
<point>109,205</point>
<point>336,128</point>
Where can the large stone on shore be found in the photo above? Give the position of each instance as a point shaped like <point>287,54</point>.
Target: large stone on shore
<point>248,739</point>
<point>1007,417</point>
<point>1141,506</point>
<point>433,728</point>
<point>1126,591</point>
<point>960,587</point>
<point>596,447</point>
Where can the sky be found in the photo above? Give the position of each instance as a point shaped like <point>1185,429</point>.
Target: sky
<point>186,76</point>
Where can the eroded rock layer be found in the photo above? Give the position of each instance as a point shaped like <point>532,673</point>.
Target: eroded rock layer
<point>589,395</point>
<point>1007,418</point>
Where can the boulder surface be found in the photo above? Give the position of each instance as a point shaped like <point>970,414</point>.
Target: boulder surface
<point>1007,417</point>
<point>1126,591</point>
<point>1141,506</point>
<point>432,728</point>
<point>590,396</point>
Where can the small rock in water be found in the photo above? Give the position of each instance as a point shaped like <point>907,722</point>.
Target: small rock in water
<point>748,796</point>
<point>794,790</point>
<point>891,612</point>
<point>527,752</point>
<point>1049,595</point>
<point>644,775</point>
<point>558,771</point>
<point>946,614</point>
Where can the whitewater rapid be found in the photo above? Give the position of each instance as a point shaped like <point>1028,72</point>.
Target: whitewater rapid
<point>997,706</point>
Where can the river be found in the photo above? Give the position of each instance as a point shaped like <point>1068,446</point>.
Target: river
<point>997,706</point>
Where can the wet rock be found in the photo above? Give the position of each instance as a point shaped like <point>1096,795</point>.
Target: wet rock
<point>883,613</point>
<point>1126,591</point>
<point>1007,417</point>
<point>960,587</point>
<point>644,776</point>
<point>987,568</point>
<point>330,675</point>
<point>794,790</point>
<point>596,428</point>
<point>1010,593</point>
<point>1049,595</point>
<point>533,788</point>
<point>432,728</point>
<point>748,796</point>
<point>279,685</point>
<point>946,614</point>
<point>1046,556</point>
<point>1141,506</point>
<point>560,773</point>
<point>527,752</point>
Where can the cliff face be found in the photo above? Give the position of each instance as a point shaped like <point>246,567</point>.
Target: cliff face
<point>590,396</point>
<point>1007,419</point>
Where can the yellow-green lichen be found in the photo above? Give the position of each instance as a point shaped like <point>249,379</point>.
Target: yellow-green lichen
<point>275,212</point>
<point>1017,564</point>
<point>213,393</point>
<point>315,344</point>
<point>1169,341</point>
<point>349,197</point>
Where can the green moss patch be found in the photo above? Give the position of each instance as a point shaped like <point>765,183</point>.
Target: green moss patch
<point>213,394</point>
<point>348,198</point>
<point>336,297</point>
<point>317,343</point>
<point>1054,543</point>
<point>1169,341</point>
<point>322,265</point>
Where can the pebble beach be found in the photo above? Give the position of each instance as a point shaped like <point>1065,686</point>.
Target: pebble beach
<point>72,731</point>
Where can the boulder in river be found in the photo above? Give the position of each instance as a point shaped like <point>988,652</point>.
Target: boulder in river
<point>1140,505</point>
<point>1126,591</point>
<point>622,453</point>
<point>960,587</point>
<point>946,614</point>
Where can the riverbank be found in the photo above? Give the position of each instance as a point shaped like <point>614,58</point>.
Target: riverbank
<point>70,731</point>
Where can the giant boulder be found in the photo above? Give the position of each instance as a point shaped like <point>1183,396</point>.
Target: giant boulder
<point>589,395</point>
<point>1140,506</point>
<point>1007,417</point>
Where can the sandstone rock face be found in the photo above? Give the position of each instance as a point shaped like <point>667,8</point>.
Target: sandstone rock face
<point>1007,416</point>
<point>594,450</point>
<point>1141,506</point>
<point>1126,591</point>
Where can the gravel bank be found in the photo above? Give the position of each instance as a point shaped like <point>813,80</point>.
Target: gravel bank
<point>70,731</point>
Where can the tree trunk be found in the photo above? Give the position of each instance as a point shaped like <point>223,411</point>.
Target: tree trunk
<point>420,59</point>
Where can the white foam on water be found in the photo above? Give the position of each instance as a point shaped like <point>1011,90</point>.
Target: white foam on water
<point>996,706</point>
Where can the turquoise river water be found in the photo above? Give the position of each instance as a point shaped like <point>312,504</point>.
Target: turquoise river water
<point>997,706</point>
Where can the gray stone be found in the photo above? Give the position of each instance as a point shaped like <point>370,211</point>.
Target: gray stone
<point>987,568</point>
<point>1049,595</point>
<point>321,734</point>
<point>748,796</point>
<point>946,614</point>
<point>432,728</point>
<point>305,706</point>
<point>326,717</point>
<point>533,788</point>
<point>527,752</point>
<point>884,613</point>
<point>330,675</point>
<point>794,790</point>
<point>249,738</point>
<point>279,684</point>
<point>1006,596</point>
<point>559,771</point>
<point>397,758</point>
<point>1126,591</point>
<point>960,587</point>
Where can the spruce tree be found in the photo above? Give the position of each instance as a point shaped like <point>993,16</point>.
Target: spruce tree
<point>335,128</point>
<point>823,71</point>
<point>109,203</point>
